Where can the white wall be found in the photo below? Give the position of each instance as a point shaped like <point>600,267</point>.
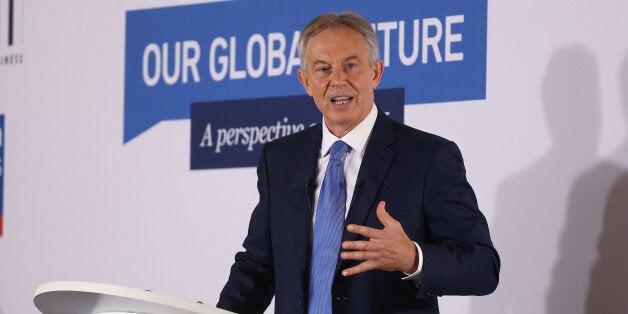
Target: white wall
<point>546,153</point>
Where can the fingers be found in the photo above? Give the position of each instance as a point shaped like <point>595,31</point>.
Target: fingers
<point>386,249</point>
<point>384,218</point>
<point>359,255</point>
<point>361,252</point>
<point>362,267</point>
<point>363,246</point>
<point>355,245</point>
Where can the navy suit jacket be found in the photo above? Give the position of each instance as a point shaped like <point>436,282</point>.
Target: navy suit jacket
<point>422,179</point>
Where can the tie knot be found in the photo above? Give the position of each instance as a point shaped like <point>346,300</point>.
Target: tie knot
<point>338,150</point>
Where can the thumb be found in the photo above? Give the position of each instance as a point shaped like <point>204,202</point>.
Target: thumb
<point>383,215</point>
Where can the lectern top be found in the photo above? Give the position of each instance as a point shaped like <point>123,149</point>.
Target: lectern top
<point>78,297</point>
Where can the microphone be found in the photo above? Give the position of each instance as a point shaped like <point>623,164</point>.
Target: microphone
<point>358,184</point>
<point>309,182</point>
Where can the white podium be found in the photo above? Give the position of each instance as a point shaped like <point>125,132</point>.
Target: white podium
<point>76,297</point>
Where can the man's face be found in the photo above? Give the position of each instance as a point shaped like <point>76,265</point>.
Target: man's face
<point>340,77</point>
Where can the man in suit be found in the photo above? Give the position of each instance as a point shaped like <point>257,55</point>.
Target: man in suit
<point>411,229</point>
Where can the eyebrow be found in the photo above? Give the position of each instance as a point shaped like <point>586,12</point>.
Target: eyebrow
<point>351,58</point>
<point>347,59</point>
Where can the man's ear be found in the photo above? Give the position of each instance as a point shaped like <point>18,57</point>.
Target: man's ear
<point>378,70</point>
<point>303,79</point>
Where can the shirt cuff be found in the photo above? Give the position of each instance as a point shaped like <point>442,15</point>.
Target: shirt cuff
<point>416,276</point>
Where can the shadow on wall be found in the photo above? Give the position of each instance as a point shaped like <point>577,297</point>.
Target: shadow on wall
<point>550,216</point>
<point>591,256</point>
<point>609,276</point>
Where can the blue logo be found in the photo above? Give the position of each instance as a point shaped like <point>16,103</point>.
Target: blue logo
<point>238,50</point>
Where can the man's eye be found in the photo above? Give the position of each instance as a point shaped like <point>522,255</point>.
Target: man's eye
<point>323,69</point>
<point>351,65</point>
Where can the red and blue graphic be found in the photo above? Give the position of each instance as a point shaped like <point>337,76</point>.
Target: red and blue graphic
<point>1,170</point>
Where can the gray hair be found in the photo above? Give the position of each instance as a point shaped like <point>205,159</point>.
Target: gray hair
<point>335,21</point>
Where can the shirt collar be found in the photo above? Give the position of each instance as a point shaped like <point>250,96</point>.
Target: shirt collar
<point>356,138</point>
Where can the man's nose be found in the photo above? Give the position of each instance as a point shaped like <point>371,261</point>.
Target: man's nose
<point>338,78</point>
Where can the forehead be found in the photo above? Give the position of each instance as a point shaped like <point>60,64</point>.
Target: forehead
<point>337,43</point>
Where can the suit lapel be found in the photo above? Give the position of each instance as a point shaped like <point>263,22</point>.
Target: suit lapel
<point>303,177</point>
<point>377,159</point>
<point>311,142</point>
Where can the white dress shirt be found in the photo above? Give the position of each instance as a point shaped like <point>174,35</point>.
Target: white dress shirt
<point>356,139</point>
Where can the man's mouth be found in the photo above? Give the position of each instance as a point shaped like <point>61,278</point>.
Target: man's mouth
<point>341,100</point>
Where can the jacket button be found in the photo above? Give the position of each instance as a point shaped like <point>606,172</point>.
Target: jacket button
<point>301,302</point>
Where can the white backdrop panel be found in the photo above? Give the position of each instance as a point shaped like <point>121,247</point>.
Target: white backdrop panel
<point>546,153</point>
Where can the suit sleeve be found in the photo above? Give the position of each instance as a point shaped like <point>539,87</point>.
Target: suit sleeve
<point>251,287</point>
<point>459,257</point>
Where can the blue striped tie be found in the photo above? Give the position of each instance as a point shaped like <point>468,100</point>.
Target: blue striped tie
<point>330,216</point>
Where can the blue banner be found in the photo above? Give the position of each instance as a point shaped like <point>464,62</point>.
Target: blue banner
<point>232,50</point>
<point>230,133</point>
